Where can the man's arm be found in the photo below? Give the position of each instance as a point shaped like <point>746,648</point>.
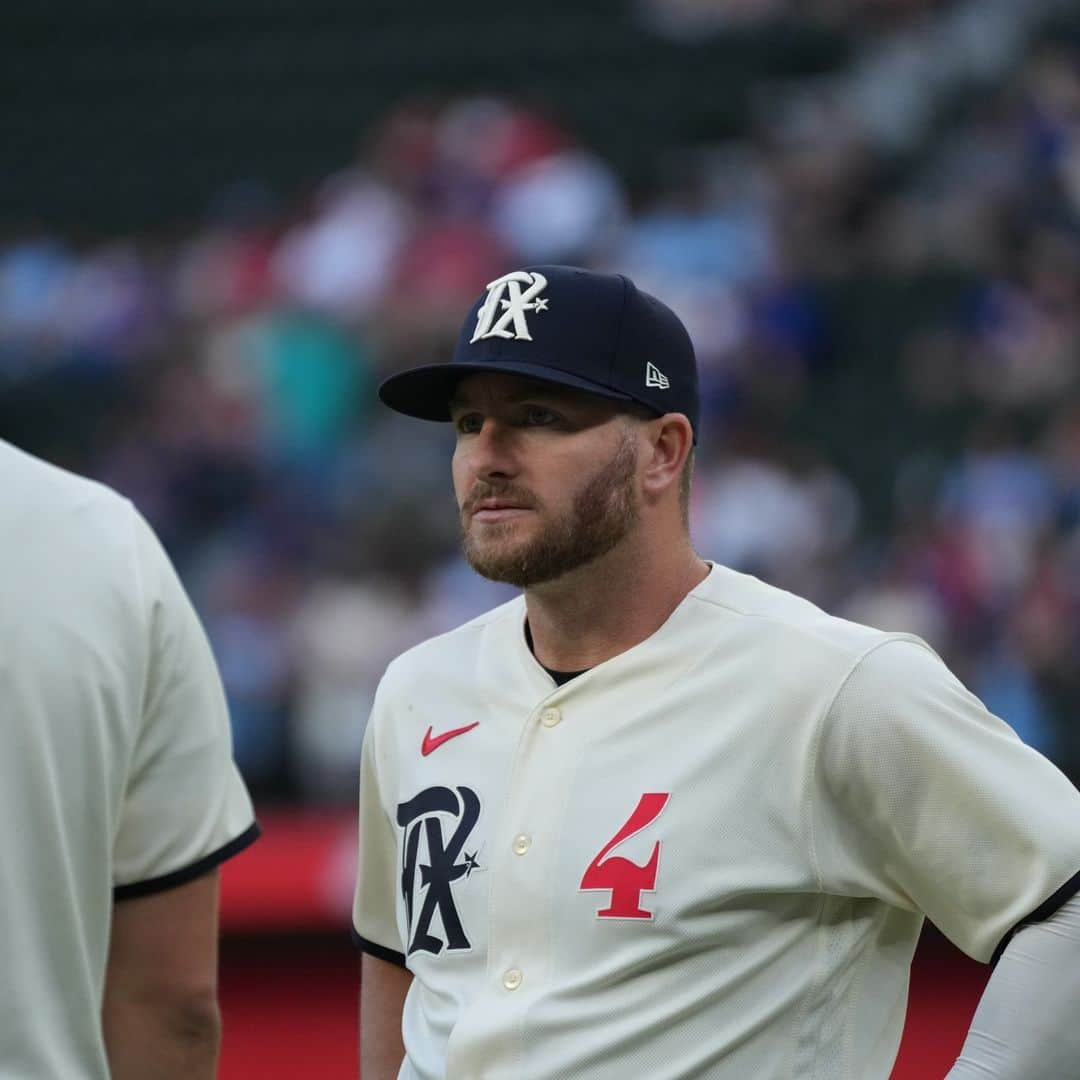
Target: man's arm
<point>1025,1027</point>
<point>383,987</point>
<point>160,1015</point>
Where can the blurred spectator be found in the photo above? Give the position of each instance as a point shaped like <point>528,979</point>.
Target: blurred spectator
<point>344,635</point>
<point>247,608</point>
<point>1001,495</point>
<point>761,518</point>
<point>341,261</point>
<point>563,208</point>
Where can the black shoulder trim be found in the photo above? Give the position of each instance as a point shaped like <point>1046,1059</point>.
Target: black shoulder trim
<point>189,873</point>
<point>1043,911</point>
<point>380,952</point>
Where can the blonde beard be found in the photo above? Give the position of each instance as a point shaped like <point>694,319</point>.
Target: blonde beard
<point>603,511</point>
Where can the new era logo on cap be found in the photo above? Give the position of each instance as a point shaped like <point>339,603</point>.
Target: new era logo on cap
<point>656,378</point>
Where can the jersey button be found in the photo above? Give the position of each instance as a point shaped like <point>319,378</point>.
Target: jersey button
<point>512,979</point>
<point>550,717</point>
<point>522,844</point>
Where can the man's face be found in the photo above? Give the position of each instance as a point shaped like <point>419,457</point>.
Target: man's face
<point>544,477</point>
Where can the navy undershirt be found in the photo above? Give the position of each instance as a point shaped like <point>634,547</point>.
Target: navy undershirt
<point>560,677</point>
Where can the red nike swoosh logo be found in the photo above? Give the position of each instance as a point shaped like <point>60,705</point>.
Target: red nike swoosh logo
<point>433,742</point>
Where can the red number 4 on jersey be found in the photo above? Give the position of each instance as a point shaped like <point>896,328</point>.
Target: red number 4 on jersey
<point>626,880</point>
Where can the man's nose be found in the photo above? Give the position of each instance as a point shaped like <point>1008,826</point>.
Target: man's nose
<point>491,451</point>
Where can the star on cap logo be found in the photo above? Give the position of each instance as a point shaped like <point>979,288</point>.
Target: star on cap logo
<point>654,377</point>
<point>505,295</point>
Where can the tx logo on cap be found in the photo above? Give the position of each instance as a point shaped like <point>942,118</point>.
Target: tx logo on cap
<point>505,294</point>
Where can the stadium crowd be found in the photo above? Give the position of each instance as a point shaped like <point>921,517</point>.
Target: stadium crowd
<point>222,376</point>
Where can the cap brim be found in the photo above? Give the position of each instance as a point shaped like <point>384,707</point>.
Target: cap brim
<point>425,392</point>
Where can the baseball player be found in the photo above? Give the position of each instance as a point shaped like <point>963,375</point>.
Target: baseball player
<point>118,795</point>
<point>654,818</point>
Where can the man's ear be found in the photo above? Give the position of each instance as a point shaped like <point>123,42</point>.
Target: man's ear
<point>671,441</point>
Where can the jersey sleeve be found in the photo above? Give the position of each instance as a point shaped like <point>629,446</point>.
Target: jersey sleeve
<point>185,807</point>
<point>375,926</point>
<point>927,801</point>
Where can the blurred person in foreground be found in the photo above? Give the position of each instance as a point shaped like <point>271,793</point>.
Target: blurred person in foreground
<point>656,818</point>
<point>118,791</point>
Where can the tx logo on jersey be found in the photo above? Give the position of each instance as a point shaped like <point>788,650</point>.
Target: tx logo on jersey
<point>625,879</point>
<point>505,295</point>
<point>430,864</point>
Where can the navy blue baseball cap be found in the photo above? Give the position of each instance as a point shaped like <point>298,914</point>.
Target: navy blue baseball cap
<point>596,332</point>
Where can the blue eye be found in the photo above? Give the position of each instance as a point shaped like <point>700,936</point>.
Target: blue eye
<point>469,423</point>
<point>537,415</point>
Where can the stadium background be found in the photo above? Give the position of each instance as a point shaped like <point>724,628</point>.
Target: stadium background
<point>221,225</point>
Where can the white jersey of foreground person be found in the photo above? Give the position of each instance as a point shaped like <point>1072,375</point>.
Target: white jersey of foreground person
<point>118,794</point>
<point>658,819</point>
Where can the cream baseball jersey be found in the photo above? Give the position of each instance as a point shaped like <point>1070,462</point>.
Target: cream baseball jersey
<point>116,777</point>
<point>709,856</point>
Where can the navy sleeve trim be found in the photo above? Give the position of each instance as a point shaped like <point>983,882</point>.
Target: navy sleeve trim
<point>380,952</point>
<point>189,873</point>
<point>1043,911</point>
